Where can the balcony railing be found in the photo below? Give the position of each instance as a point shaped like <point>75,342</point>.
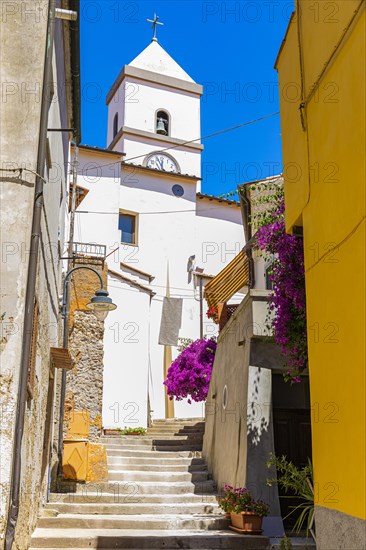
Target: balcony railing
<point>92,253</point>
<point>89,249</point>
<point>226,312</point>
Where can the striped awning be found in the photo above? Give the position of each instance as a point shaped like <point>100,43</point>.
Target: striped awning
<point>229,281</point>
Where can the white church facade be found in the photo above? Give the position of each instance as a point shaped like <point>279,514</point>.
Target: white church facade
<point>143,202</point>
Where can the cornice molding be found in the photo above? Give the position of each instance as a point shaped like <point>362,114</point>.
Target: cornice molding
<point>155,78</point>
<point>160,139</point>
<point>169,175</point>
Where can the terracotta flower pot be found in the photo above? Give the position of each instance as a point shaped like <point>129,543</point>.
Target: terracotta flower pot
<point>246,521</point>
<point>111,432</point>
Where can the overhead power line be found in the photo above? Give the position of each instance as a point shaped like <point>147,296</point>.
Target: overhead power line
<point>219,132</point>
<point>214,134</point>
<point>148,213</point>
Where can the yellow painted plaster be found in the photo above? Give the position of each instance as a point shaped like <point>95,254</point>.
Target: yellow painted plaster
<point>328,199</point>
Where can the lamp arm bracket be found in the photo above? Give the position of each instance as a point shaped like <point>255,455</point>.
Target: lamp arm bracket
<point>66,280</point>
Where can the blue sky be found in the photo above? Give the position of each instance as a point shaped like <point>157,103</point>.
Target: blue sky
<point>228,47</point>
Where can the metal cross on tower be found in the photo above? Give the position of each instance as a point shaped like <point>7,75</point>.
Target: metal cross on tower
<point>154,23</point>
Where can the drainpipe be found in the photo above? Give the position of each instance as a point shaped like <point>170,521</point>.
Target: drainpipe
<point>67,304</point>
<point>201,308</point>
<point>75,70</point>
<point>31,285</point>
<point>75,75</point>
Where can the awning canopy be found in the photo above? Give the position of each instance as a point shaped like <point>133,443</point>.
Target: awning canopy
<point>229,281</point>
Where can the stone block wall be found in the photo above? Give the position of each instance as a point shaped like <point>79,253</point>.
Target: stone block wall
<point>84,386</point>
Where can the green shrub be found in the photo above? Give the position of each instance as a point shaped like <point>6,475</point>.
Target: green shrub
<point>128,431</point>
<point>300,482</point>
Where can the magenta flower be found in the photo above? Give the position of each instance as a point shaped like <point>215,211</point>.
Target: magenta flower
<point>288,301</point>
<point>190,373</point>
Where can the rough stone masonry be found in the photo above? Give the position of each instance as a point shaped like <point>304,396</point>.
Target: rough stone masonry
<point>85,382</point>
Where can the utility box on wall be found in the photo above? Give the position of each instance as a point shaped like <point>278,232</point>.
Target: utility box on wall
<point>75,459</point>
<point>83,460</point>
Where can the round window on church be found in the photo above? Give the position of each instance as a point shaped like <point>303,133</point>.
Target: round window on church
<point>178,190</point>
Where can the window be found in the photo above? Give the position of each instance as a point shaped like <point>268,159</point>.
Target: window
<point>162,123</point>
<point>115,125</point>
<point>127,227</point>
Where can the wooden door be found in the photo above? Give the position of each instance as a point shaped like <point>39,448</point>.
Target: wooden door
<point>292,438</point>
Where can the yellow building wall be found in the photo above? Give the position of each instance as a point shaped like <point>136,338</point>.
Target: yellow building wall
<point>328,199</point>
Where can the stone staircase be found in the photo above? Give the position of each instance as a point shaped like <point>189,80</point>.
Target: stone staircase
<point>159,496</point>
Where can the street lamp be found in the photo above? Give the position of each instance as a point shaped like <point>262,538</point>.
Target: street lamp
<point>100,305</point>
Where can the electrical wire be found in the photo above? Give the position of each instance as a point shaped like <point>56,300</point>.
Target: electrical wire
<point>155,295</point>
<point>147,213</point>
<point>214,134</point>
<point>20,170</point>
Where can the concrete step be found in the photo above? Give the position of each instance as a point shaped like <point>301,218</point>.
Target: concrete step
<point>91,496</point>
<point>298,543</point>
<point>143,521</point>
<point>138,453</point>
<point>134,489</point>
<point>188,421</point>
<point>165,435</point>
<point>150,440</point>
<point>160,447</point>
<point>137,539</point>
<point>115,463</point>
<point>174,436</point>
<point>122,475</point>
<point>161,508</point>
<point>157,460</point>
<point>176,429</point>
<point>178,426</point>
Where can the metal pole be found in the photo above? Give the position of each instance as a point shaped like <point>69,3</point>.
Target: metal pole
<point>66,298</point>
<point>201,308</point>
<point>66,305</point>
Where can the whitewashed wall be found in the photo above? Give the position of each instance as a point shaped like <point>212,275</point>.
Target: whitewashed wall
<point>189,160</point>
<point>126,353</point>
<point>147,98</point>
<point>169,232</point>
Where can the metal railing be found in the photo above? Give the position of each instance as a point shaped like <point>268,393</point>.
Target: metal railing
<point>89,249</point>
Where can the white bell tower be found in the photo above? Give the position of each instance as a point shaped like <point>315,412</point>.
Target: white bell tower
<point>154,119</point>
<point>154,105</point>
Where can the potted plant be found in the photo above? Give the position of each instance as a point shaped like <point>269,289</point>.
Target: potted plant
<point>212,313</point>
<point>112,431</point>
<point>225,504</point>
<point>246,513</point>
<point>133,431</point>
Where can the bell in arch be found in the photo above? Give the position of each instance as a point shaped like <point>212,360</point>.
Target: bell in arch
<point>160,129</point>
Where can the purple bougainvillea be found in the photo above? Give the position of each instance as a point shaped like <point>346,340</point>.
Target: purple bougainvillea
<point>190,373</point>
<point>287,303</point>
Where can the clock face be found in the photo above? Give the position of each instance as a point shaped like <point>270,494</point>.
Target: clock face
<point>159,161</point>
